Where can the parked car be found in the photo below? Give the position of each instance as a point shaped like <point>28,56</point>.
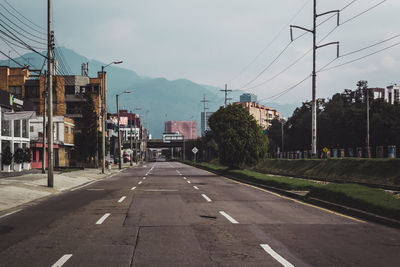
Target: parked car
<point>126,157</point>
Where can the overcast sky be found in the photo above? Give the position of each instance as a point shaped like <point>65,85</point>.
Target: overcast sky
<point>213,41</point>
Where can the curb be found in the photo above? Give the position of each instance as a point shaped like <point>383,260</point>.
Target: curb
<point>359,214</point>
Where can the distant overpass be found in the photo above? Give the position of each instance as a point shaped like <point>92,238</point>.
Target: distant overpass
<point>159,143</point>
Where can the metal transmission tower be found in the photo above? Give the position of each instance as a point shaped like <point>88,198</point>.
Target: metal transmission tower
<point>314,75</point>
<point>204,119</point>
<point>226,94</point>
<point>50,60</point>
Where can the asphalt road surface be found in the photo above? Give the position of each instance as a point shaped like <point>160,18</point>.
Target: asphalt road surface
<point>170,214</point>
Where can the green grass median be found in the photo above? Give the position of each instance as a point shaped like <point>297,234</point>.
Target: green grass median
<point>371,200</point>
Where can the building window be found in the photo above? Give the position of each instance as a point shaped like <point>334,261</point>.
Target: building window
<point>25,128</point>
<point>31,129</point>
<point>15,90</point>
<point>32,92</point>
<point>17,128</point>
<point>72,130</point>
<point>66,129</point>
<point>5,125</point>
<point>69,89</point>
<point>34,155</point>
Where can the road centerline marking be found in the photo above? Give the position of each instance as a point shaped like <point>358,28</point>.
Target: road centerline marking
<point>226,215</point>
<point>133,188</point>
<point>195,187</point>
<point>121,199</point>
<point>184,178</point>
<point>206,197</point>
<point>276,256</point>
<point>62,260</point>
<point>140,182</point>
<point>102,219</point>
<point>189,182</point>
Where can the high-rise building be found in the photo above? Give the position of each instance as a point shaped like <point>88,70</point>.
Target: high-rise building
<point>187,128</point>
<point>248,98</point>
<point>204,122</point>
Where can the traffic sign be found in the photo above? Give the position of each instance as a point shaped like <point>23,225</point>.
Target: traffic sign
<point>325,149</point>
<point>195,150</point>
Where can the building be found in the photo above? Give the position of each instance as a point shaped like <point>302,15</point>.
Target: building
<point>14,123</point>
<point>393,92</point>
<point>204,122</point>
<point>64,129</point>
<point>263,115</point>
<point>68,91</point>
<point>248,98</point>
<point>390,94</point>
<point>187,128</point>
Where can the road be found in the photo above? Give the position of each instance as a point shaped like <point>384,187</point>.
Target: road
<point>170,214</point>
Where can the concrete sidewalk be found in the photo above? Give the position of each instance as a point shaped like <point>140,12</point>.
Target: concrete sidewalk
<point>22,190</point>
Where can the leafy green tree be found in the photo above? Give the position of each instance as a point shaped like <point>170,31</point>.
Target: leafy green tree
<point>240,139</point>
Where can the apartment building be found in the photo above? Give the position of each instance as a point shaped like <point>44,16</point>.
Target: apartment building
<point>263,115</point>
<point>187,128</point>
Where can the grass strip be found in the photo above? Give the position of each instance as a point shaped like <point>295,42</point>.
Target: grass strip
<point>371,200</point>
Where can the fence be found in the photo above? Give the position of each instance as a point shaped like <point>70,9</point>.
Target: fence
<point>352,152</point>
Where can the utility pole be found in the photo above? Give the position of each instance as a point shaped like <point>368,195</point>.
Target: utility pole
<point>44,95</point>
<point>204,119</point>
<point>365,87</point>
<point>103,115</point>
<point>226,95</point>
<point>119,137</point>
<point>50,42</point>
<point>130,139</point>
<point>314,74</point>
<point>282,138</point>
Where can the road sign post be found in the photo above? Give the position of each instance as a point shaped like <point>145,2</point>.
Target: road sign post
<point>195,150</point>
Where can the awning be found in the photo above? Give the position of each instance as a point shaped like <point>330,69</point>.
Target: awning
<point>20,115</point>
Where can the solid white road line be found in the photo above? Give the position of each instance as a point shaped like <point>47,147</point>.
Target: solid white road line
<point>79,187</point>
<point>62,260</point>
<point>189,182</point>
<point>121,199</point>
<point>133,188</point>
<point>206,197</point>
<point>5,215</point>
<point>226,215</point>
<point>102,219</point>
<point>195,187</point>
<point>276,256</point>
<point>140,182</point>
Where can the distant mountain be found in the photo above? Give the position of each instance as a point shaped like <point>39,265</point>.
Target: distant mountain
<point>159,99</point>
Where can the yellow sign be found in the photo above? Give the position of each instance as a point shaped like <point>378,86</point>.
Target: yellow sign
<point>325,149</point>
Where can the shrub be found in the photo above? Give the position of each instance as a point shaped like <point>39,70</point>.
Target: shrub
<point>6,157</point>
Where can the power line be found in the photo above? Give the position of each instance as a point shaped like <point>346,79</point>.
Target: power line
<point>19,13</point>
<point>33,40</point>
<point>365,11</point>
<point>16,25</point>
<point>270,43</point>
<point>360,58</point>
<point>326,36</point>
<point>16,62</point>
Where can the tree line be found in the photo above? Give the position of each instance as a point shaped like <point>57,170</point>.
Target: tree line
<point>341,123</point>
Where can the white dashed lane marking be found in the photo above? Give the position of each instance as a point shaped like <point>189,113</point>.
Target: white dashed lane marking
<point>121,199</point>
<point>102,219</point>
<point>276,256</point>
<point>206,197</point>
<point>62,260</point>
<point>226,215</point>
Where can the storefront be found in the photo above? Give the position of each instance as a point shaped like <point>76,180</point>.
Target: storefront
<point>14,129</point>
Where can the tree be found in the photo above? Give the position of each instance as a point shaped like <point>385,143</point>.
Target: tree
<point>6,157</point>
<point>240,139</point>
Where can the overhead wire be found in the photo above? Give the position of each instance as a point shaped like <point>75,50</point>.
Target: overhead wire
<point>21,34</point>
<point>30,21</point>
<point>321,40</point>
<point>270,43</point>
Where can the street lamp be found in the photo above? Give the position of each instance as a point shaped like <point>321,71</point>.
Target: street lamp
<point>104,114</point>
<point>119,132</point>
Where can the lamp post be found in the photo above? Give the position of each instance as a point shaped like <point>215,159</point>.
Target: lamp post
<point>119,132</point>
<point>103,115</point>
